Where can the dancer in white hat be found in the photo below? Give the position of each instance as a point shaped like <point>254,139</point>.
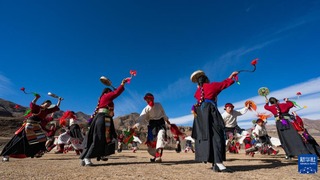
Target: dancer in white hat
<point>208,125</point>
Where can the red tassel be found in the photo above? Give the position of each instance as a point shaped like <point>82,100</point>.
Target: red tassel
<point>236,78</point>
<point>175,130</point>
<point>63,119</point>
<point>133,72</point>
<point>254,62</point>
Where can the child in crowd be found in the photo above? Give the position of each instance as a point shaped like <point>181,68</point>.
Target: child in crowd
<point>120,142</point>
<point>63,138</point>
<point>260,133</point>
<point>189,146</point>
<point>178,145</point>
<point>233,145</point>
<point>135,142</point>
<point>50,137</point>
<point>249,148</point>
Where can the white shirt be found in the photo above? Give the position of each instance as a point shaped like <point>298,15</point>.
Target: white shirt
<point>230,120</point>
<point>76,121</point>
<point>260,130</point>
<point>72,121</point>
<point>152,113</point>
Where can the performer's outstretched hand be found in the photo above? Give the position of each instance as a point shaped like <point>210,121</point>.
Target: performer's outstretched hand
<point>37,95</point>
<point>233,74</point>
<point>125,80</point>
<point>135,126</point>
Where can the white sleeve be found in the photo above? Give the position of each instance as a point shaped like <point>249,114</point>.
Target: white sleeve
<point>164,113</point>
<point>241,111</point>
<point>143,116</point>
<point>256,131</point>
<point>224,114</point>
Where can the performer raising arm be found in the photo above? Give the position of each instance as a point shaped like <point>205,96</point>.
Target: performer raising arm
<point>289,138</point>
<point>231,124</point>
<point>30,139</point>
<point>208,125</point>
<point>98,142</point>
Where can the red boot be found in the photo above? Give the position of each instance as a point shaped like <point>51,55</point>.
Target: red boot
<point>159,155</point>
<point>275,152</point>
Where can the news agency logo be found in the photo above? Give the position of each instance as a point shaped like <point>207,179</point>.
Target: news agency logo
<point>307,164</point>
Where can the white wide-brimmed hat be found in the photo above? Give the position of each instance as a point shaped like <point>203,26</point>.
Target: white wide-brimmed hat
<point>104,80</point>
<point>189,138</point>
<point>195,75</point>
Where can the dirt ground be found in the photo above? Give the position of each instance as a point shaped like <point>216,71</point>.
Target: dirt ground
<point>129,165</point>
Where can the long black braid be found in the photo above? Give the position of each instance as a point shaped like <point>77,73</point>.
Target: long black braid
<point>201,80</point>
<point>274,101</point>
<point>105,90</point>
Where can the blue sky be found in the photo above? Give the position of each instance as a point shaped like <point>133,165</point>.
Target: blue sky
<point>64,47</point>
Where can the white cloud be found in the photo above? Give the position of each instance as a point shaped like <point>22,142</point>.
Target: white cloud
<point>177,89</point>
<point>221,64</point>
<point>187,119</point>
<point>310,97</point>
<point>5,85</point>
<point>232,59</point>
<point>131,102</point>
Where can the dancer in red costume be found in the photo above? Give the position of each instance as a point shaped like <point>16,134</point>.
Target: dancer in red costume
<point>98,143</point>
<point>308,140</point>
<point>290,140</point>
<point>208,125</point>
<point>30,139</point>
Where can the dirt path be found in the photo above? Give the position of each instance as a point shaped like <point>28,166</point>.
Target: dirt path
<point>128,165</point>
